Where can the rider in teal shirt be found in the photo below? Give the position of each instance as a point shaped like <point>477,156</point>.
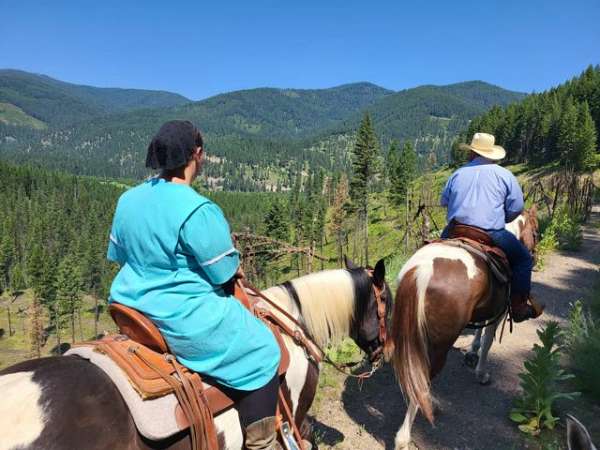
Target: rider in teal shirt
<point>176,253</point>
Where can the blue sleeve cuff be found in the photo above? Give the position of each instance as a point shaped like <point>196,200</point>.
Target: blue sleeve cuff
<point>222,268</point>
<point>115,253</point>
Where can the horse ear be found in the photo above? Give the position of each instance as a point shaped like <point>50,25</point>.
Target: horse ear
<point>349,264</point>
<point>578,437</point>
<point>379,273</point>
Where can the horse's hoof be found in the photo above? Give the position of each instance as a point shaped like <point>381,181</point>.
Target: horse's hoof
<point>471,359</point>
<point>484,379</point>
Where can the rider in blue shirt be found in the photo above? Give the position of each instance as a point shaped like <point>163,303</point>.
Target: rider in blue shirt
<point>176,255</point>
<point>484,195</point>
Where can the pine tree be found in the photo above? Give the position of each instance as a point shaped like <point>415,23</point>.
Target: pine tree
<point>457,155</point>
<point>36,323</point>
<point>296,209</point>
<point>337,224</point>
<point>276,225</point>
<point>585,146</point>
<point>6,261</point>
<point>17,279</point>
<point>69,285</point>
<point>567,135</point>
<point>364,169</point>
<point>391,160</point>
<point>41,279</point>
<point>318,203</point>
<point>403,174</point>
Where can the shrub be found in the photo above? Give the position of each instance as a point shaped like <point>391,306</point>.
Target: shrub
<point>563,231</point>
<point>539,384</point>
<point>579,325</point>
<point>567,229</point>
<point>583,339</point>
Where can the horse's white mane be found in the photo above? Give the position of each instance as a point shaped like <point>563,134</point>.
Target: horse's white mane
<point>327,300</point>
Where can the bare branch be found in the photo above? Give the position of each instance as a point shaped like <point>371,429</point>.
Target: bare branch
<point>254,244</point>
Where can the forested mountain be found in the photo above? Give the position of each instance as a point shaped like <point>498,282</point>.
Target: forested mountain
<point>432,116</point>
<point>257,137</point>
<point>58,104</point>
<point>560,125</point>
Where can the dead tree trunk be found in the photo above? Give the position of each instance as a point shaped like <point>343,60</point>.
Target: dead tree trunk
<point>57,328</point>
<point>10,330</point>
<point>96,316</point>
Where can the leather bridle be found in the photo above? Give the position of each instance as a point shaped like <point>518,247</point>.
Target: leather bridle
<point>381,316</point>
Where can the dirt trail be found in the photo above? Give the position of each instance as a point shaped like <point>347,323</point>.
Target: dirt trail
<point>470,416</point>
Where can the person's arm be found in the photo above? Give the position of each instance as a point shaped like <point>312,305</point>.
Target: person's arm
<point>115,252</point>
<point>206,235</point>
<point>514,202</point>
<point>445,198</point>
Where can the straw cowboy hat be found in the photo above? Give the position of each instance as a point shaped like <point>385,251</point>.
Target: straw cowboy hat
<point>483,144</point>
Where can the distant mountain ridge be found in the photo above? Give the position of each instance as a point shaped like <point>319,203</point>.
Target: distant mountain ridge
<point>58,103</point>
<point>254,134</point>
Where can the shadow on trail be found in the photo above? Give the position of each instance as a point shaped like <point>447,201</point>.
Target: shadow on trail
<point>462,403</point>
<point>326,434</point>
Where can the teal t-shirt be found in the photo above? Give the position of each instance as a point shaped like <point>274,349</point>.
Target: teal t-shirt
<point>175,251</point>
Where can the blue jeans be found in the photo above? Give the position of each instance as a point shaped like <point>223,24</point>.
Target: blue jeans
<point>518,256</point>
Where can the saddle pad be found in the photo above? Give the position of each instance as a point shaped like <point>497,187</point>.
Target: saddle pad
<point>154,418</point>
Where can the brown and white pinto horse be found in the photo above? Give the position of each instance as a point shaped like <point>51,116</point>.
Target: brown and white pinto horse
<point>442,288</point>
<point>68,403</point>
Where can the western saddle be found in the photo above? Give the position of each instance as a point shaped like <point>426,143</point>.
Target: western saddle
<point>143,354</point>
<point>479,242</point>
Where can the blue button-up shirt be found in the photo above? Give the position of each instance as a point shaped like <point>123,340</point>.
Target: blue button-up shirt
<point>483,194</point>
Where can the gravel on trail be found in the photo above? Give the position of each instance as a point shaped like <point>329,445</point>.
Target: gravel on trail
<point>468,416</point>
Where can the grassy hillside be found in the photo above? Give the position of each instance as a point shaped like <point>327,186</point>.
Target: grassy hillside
<point>15,116</point>
<point>59,104</point>
<point>16,346</point>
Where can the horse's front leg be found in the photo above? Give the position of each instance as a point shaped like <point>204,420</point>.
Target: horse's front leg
<point>481,373</point>
<point>402,440</point>
<point>472,356</point>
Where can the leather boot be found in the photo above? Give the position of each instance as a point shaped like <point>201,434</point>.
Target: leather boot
<point>262,435</point>
<point>524,307</point>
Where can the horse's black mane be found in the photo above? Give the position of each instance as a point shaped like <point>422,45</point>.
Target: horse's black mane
<point>362,290</point>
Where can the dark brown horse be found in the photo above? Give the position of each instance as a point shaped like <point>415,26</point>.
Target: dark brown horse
<point>68,403</point>
<point>442,288</point>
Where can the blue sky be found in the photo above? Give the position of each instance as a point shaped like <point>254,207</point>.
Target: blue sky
<point>201,48</point>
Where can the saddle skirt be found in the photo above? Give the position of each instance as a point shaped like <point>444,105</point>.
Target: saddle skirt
<point>148,377</point>
<point>480,243</point>
<point>155,418</point>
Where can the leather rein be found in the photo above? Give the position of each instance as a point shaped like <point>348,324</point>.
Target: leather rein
<point>301,336</point>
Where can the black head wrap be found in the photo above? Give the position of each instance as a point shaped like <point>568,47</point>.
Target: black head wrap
<point>173,145</point>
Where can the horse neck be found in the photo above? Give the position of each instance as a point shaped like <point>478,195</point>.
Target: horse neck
<point>325,303</point>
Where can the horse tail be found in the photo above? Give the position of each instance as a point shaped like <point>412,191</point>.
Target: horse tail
<point>410,357</point>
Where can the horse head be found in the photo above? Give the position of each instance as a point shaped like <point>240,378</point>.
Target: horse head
<point>373,303</point>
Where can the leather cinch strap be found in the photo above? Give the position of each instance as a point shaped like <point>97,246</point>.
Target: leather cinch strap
<point>188,391</point>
